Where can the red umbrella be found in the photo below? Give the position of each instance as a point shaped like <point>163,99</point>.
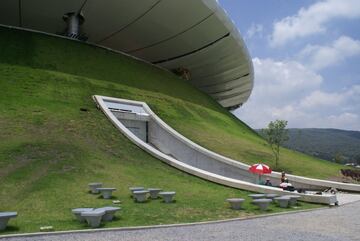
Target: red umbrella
<point>260,169</point>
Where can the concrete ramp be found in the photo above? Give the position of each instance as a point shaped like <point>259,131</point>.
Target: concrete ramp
<point>346,198</point>
<point>144,128</point>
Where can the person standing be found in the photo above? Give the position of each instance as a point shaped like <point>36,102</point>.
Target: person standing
<point>282,177</point>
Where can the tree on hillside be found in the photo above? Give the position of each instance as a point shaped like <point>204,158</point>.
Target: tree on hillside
<point>357,159</point>
<point>338,158</point>
<point>276,135</point>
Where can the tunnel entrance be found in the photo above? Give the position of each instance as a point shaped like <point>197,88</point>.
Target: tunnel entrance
<point>133,117</point>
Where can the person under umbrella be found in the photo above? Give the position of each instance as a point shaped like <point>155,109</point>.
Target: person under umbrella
<point>260,169</point>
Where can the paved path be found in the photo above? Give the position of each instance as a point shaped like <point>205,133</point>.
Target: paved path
<point>345,198</point>
<point>337,223</point>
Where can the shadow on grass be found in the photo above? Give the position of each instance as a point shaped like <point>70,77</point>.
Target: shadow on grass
<point>11,228</point>
<point>154,199</point>
<point>144,202</point>
<point>111,198</point>
<point>172,202</point>
<point>116,218</point>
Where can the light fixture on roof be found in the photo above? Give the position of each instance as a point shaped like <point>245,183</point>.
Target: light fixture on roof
<point>74,20</point>
<point>182,72</point>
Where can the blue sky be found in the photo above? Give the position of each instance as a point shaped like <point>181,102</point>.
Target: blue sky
<point>306,57</point>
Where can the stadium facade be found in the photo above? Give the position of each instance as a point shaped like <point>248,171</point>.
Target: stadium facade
<point>192,38</point>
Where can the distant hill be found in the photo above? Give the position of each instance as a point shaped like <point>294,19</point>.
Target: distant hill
<point>328,144</point>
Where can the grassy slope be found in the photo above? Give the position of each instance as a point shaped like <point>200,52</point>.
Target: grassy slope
<point>50,150</point>
<point>187,111</point>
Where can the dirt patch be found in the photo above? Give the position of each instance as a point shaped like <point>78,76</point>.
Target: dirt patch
<point>5,171</point>
<point>342,179</point>
<point>25,154</point>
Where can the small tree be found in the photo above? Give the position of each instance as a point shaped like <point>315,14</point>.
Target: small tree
<point>338,158</point>
<point>276,135</point>
<point>357,159</point>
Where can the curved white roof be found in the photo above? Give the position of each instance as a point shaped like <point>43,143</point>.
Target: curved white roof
<point>195,35</point>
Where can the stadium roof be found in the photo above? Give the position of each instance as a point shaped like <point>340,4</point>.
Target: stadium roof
<point>192,36</point>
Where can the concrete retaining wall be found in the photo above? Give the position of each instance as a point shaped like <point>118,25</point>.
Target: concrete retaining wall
<point>169,145</point>
<point>176,150</point>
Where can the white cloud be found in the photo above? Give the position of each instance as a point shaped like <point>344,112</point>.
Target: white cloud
<point>320,99</point>
<point>255,29</point>
<point>319,57</point>
<point>287,90</point>
<point>283,79</point>
<point>313,20</point>
<point>344,120</point>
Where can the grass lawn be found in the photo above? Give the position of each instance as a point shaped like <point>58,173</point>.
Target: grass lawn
<point>50,150</point>
<point>174,100</point>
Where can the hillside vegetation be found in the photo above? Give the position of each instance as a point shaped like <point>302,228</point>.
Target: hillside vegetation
<point>329,144</point>
<point>50,150</point>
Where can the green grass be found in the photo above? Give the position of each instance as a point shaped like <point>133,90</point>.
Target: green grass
<point>50,150</point>
<point>174,100</point>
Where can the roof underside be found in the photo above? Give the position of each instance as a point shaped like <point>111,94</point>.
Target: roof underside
<point>195,35</point>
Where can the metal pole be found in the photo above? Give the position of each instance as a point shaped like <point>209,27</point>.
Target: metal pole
<point>74,21</point>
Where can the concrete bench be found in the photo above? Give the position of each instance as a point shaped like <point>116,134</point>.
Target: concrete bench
<point>77,212</point>
<point>109,212</point>
<point>283,201</point>
<point>167,196</point>
<point>106,192</point>
<point>235,202</point>
<point>154,192</point>
<point>263,203</point>
<point>257,196</point>
<point>4,218</point>
<point>133,189</point>
<point>293,199</point>
<point>94,217</point>
<point>140,196</point>
<point>93,187</point>
<point>271,196</point>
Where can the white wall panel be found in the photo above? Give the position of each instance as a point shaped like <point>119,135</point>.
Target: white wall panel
<point>223,47</point>
<point>221,86</point>
<point>203,34</point>
<point>223,77</point>
<point>102,20</point>
<point>232,91</point>
<point>209,79</point>
<point>235,100</point>
<point>168,18</point>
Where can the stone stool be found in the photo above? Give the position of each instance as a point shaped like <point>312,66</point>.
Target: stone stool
<point>4,218</point>
<point>140,196</point>
<point>93,218</point>
<point>93,187</point>
<point>167,196</point>
<point>154,192</point>
<point>133,189</point>
<point>283,201</point>
<point>263,203</point>
<point>109,212</point>
<point>235,202</point>
<point>77,212</point>
<point>106,192</point>
<point>293,199</point>
<point>257,196</point>
<point>271,196</point>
